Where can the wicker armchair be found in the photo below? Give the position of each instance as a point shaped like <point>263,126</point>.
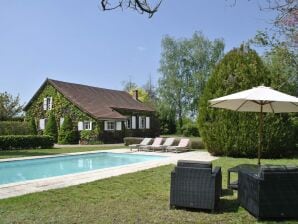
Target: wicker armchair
<point>195,185</point>
<point>270,193</point>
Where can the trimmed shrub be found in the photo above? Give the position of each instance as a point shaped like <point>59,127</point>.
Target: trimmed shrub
<point>51,128</point>
<point>194,144</point>
<point>231,133</point>
<point>190,129</point>
<point>15,128</point>
<point>32,126</point>
<point>67,133</point>
<point>25,142</point>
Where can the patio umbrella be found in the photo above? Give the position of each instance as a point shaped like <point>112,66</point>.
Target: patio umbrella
<point>260,99</point>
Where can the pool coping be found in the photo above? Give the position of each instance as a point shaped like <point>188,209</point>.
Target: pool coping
<point>38,185</point>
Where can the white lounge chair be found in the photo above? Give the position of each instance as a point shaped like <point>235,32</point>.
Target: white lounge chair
<point>182,146</point>
<point>144,142</point>
<point>156,142</point>
<point>167,143</point>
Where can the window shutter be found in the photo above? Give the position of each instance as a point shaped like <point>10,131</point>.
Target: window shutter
<point>118,125</point>
<point>106,125</point>
<point>41,124</point>
<point>80,125</point>
<point>61,121</point>
<point>147,122</point>
<point>90,125</point>
<point>140,122</point>
<point>44,103</point>
<point>51,103</point>
<point>133,122</point>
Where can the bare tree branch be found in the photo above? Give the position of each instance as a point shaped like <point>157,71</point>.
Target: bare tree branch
<point>141,6</point>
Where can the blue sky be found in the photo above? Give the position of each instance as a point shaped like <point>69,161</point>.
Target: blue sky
<point>73,40</point>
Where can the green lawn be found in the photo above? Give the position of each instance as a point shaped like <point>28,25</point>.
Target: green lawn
<point>141,197</point>
<point>44,152</point>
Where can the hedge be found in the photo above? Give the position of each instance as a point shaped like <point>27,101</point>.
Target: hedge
<point>15,128</point>
<point>194,144</point>
<point>25,142</point>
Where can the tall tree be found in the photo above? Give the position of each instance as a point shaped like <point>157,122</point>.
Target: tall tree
<point>185,66</point>
<point>10,106</point>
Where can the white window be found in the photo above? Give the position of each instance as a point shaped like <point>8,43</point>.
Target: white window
<point>87,125</point>
<point>147,122</point>
<point>109,125</point>
<point>84,125</point>
<point>142,122</point>
<point>128,123</point>
<point>61,121</point>
<point>42,124</point>
<point>48,103</point>
<point>118,125</point>
<point>133,122</point>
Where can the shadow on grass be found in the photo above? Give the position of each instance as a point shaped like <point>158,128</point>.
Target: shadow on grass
<point>227,192</point>
<point>228,206</point>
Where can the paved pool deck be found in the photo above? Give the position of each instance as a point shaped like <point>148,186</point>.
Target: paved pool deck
<point>26,187</point>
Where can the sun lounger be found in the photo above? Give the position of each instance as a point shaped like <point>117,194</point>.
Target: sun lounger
<point>182,146</point>
<point>144,142</point>
<point>156,142</point>
<point>168,142</point>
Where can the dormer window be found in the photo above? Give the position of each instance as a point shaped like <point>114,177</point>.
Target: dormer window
<point>47,103</point>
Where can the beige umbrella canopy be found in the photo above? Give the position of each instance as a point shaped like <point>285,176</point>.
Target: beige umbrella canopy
<point>260,99</point>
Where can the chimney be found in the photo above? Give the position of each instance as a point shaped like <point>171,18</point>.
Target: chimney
<point>135,94</point>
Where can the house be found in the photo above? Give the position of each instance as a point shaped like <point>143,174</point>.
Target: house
<point>113,114</point>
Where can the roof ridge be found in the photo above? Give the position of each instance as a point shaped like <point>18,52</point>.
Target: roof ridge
<point>96,87</point>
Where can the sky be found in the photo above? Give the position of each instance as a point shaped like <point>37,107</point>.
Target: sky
<point>75,41</point>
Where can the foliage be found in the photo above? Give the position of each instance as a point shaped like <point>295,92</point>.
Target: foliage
<point>233,133</point>
<point>67,133</point>
<point>10,106</point>
<point>90,136</point>
<point>167,117</point>
<point>25,142</point>
<point>185,66</point>
<point>51,127</point>
<point>62,107</point>
<point>32,126</point>
<point>15,128</point>
<point>190,128</point>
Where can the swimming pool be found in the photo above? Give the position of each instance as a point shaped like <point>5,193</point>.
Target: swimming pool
<point>31,169</point>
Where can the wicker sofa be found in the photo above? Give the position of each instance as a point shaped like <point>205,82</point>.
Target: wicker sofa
<point>195,185</point>
<point>272,192</point>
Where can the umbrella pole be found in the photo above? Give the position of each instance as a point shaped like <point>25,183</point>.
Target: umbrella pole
<point>260,135</point>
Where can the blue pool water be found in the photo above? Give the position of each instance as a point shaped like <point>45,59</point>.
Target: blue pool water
<point>16,171</point>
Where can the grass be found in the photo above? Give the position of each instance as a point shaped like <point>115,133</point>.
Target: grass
<point>45,152</point>
<point>141,197</point>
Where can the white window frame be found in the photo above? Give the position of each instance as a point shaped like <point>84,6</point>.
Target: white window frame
<point>48,103</point>
<point>110,125</point>
<point>142,122</point>
<point>87,125</point>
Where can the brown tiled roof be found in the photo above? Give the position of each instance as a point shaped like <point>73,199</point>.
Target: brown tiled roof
<point>98,102</point>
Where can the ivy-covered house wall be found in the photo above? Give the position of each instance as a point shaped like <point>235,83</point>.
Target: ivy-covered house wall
<point>61,107</point>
